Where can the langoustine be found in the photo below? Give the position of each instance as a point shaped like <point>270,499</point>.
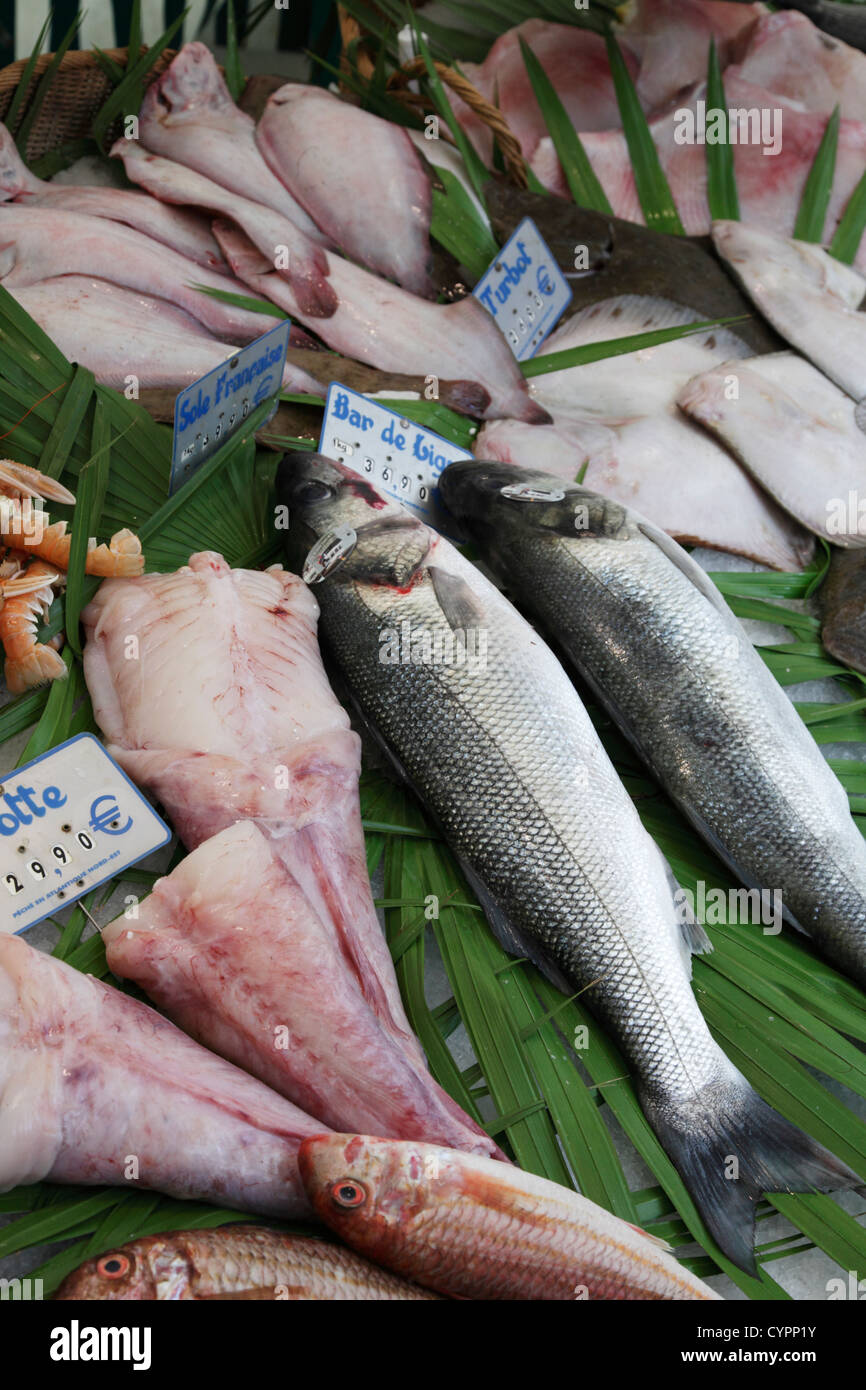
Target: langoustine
<point>34,557</point>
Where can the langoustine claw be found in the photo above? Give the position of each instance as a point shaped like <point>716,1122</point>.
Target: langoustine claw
<point>34,555</point>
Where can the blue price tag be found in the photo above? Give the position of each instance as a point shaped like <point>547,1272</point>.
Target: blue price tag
<point>401,459</point>
<point>210,411</point>
<point>525,290</point>
<point>68,821</point>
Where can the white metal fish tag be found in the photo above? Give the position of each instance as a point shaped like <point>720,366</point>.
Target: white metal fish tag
<point>68,821</point>
<point>215,407</point>
<point>402,460</point>
<point>526,492</point>
<point>525,290</point>
<point>328,554</point>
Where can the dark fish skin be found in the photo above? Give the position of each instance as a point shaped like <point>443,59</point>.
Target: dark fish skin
<point>842,598</point>
<point>843,21</point>
<point>625,258</point>
<point>232,1262</point>
<point>505,758</point>
<point>643,626</point>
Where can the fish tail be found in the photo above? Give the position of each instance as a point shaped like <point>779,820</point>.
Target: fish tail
<point>730,1148</point>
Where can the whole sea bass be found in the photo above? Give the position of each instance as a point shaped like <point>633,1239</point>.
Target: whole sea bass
<point>504,755</point>
<point>659,646</point>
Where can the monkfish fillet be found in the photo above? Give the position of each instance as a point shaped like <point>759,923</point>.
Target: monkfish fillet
<point>226,715</point>
<point>228,946</point>
<point>96,1087</point>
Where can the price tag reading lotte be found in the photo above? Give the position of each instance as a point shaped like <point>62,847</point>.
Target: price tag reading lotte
<point>401,459</point>
<point>215,407</point>
<point>68,821</point>
<point>525,290</point>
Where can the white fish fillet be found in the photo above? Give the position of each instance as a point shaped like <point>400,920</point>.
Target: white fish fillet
<point>186,232</point>
<point>575,61</point>
<point>188,115</point>
<point>700,495</point>
<point>807,295</point>
<point>794,431</point>
<point>117,333</point>
<point>769,186</point>
<point>672,40</point>
<point>789,55</point>
<point>381,324</point>
<point>40,243</point>
<point>228,716</point>
<point>317,144</point>
<point>619,415</point>
<point>229,948</point>
<point>279,240</point>
<point>91,1079</point>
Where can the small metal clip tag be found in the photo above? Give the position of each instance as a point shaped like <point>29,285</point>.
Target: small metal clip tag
<point>328,554</point>
<point>525,492</point>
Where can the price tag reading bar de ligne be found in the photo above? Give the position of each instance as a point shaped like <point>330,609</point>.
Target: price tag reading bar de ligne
<point>401,459</point>
<point>215,407</point>
<point>68,821</point>
<point>525,290</point>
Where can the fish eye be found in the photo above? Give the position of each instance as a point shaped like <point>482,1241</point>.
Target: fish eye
<point>346,1192</point>
<point>313,491</point>
<point>113,1266</point>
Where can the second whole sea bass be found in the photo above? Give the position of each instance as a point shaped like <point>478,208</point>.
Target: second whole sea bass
<point>506,759</point>
<point>662,651</point>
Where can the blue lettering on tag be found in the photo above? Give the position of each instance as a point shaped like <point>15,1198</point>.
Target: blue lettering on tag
<point>524,290</point>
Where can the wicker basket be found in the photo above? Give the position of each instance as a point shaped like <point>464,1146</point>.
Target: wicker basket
<point>77,92</point>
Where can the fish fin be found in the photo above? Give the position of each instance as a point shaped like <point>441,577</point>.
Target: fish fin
<point>510,938</point>
<point>684,562</point>
<point>693,939</point>
<point>457,601</point>
<point>648,1235</point>
<point>730,1148</point>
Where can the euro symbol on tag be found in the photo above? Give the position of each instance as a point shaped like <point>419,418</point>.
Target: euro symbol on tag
<point>525,492</point>
<point>328,554</point>
<point>108,820</point>
<point>543,280</point>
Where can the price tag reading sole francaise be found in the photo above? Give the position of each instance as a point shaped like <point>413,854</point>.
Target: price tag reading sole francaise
<point>68,821</point>
<point>210,411</point>
<point>401,459</point>
<point>525,290</point>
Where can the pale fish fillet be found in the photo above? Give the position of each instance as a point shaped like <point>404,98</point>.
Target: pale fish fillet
<point>575,61</point>
<point>228,716</point>
<point>91,1080</point>
<point>117,333</point>
<point>698,494</point>
<point>807,295</point>
<point>385,326</point>
<point>186,232</point>
<point>660,463</point>
<point>278,239</point>
<point>316,145</point>
<point>188,115</point>
<point>672,40</point>
<point>789,55</point>
<point>39,243</point>
<point>794,431</point>
<point>229,948</point>
<point>769,186</point>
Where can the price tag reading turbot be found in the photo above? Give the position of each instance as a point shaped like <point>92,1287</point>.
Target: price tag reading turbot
<point>525,290</point>
<point>215,407</point>
<point>68,821</point>
<point>401,459</point>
